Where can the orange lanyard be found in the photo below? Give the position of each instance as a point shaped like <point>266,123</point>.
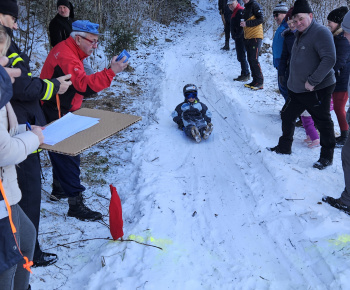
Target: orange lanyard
<point>28,263</point>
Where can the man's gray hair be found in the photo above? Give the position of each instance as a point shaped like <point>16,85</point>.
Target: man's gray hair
<point>75,33</point>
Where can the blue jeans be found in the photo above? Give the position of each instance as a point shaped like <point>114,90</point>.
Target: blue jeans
<point>67,171</point>
<point>241,55</point>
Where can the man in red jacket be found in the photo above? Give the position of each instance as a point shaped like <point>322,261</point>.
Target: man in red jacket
<point>67,57</point>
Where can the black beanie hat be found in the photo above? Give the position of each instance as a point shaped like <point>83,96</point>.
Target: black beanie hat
<point>67,4</point>
<point>337,15</point>
<point>9,7</point>
<point>301,6</point>
<point>64,3</point>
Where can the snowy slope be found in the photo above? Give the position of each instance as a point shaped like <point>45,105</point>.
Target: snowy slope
<point>222,214</point>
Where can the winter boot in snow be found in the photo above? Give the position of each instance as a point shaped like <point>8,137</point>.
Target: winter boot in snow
<point>195,134</point>
<point>322,163</point>
<point>335,202</point>
<point>257,86</point>
<point>340,141</point>
<point>250,84</point>
<point>79,210</point>
<point>242,78</point>
<point>207,131</point>
<point>226,46</point>
<point>326,158</point>
<point>44,259</point>
<point>277,149</point>
<point>57,192</point>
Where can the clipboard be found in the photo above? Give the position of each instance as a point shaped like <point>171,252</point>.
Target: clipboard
<point>110,124</point>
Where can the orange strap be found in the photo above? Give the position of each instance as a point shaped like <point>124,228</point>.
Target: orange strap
<point>28,263</point>
<point>58,106</point>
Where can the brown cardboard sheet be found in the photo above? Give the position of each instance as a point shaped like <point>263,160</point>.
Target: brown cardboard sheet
<point>110,124</point>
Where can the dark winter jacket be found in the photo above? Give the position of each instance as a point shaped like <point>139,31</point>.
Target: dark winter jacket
<point>277,44</point>
<point>188,113</point>
<point>67,58</point>
<point>60,28</point>
<point>313,57</point>
<point>236,29</point>
<point>27,90</point>
<point>227,14</point>
<point>221,6</point>
<point>342,65</point>
<point>283,68</point>
<point>254,18</point>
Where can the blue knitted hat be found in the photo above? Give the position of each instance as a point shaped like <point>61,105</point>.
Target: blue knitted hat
<point>85,26</point>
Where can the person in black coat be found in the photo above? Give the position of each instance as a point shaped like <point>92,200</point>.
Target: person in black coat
<point>238,37</point>
<point>60,26</point>
<point>226,14</point>
<point>341,69</point>
<point>192,116</point>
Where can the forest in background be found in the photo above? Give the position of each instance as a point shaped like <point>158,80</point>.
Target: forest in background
<point>121,20</point>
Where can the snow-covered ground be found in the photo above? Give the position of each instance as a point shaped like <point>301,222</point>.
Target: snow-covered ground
<point>222,214</point>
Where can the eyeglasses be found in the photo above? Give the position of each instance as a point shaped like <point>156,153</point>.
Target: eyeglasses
<point>14,19</point>
<point>94,42</point>
<point>275,15</point>
<point>191,95</point>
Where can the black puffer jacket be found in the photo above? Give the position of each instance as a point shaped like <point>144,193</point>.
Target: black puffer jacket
<point>342,65</point>
<point>28,90</point>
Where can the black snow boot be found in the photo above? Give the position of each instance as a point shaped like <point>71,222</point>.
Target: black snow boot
<point>79,210</point>
<point>337,203</point>
<point>242,78</point>
<point>45,259</point>
<point>322,163</point>
<point>340,141</point>
<point>57,192</point>
<point>226,46</point>
<point>326,158</point>
<point>277,149</point>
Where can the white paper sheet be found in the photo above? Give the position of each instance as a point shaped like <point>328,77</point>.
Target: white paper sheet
<point>67,126</point>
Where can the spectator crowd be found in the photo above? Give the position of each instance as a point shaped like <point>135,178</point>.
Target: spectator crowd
<point>312,63</point>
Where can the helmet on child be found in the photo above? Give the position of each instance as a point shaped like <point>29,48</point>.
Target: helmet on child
<point>190,88</point>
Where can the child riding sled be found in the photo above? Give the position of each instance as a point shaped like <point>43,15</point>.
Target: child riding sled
<point>192,116</point>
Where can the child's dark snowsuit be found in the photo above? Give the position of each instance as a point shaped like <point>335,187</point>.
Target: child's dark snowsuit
<point>188,114</point>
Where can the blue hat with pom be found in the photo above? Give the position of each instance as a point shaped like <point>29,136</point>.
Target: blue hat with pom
<point>85,26</point>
